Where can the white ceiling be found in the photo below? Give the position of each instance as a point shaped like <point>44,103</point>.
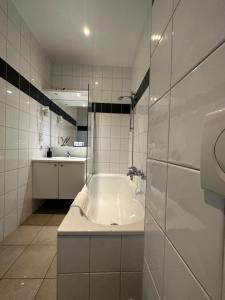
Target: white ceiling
<point>116,27</point>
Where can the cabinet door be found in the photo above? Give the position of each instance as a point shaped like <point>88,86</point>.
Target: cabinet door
<point>45,180</point>
<point>71,179</point>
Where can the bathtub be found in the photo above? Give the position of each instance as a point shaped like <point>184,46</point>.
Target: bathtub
<point>111,199</point>
<point>100,241</point>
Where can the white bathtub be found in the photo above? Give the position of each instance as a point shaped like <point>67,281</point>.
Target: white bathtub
<point>88,244</point>
<point>110,199</point>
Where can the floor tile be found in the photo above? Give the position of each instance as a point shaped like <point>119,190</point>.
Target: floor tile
<point>23,235</point>
<point>47,236</point>
<point>56,220</point>
<point>52,269</point>
<point>47,290</point>
<point>33,263</point>
<point>38,219</point>
<point>8,255</point>
<point>17,289</point>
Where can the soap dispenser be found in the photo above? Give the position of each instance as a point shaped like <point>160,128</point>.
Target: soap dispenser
<point>49,152</point>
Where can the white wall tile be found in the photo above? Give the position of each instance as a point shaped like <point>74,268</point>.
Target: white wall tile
<point>12,117</point>
<point>201,92</point>
<point>161,65</point>
<point>156,190</point>
<point>149,290</point>
<point>195,225</point>
<point>161,13</point>
<point>199,26</point>
<point>182,284</point>
<point>11,159</point>
<point>10,201</point>
<point>159,129</point>
<point>154,251</point>
<point>11,180</point>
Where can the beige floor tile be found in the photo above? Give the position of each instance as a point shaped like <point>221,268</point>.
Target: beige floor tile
<point>47,236</point>
<point>47,290</point>
<point>56,220</point>
<point>33,263</point>
<point>23,235</point>
<point>38,219</point>
<point>19,289</point>
<point>8,255</point>
<point>52,269</point>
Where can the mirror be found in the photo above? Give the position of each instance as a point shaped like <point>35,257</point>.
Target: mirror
<point>75,104</point>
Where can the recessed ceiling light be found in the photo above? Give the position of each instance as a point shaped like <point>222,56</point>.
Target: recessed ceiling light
<point>156,37</point>
<point>84,105</point>
<point>9,92</point>
<point>96,82</point>
<point>86,31</point>
<point>78,94</point>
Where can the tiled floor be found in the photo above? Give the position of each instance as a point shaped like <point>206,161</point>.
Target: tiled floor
<point>28,256</point>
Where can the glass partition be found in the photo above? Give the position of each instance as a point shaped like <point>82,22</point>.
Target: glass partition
<point>90,139</point>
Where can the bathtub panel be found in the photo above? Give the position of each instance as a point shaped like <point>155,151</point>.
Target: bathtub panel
<point>131,286</point>
<point>73,254</point>
<point>105,286</point>
<point>132,253</point>
<point>105,254</point>
<point>73,287</point>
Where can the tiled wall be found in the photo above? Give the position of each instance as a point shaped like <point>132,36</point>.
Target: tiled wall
<point>184,225</point>
<point>20,119</point>
<point>111,142</point>
<point>100,267</point>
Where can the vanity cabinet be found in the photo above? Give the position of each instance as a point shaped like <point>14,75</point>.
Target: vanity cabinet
<point>57,180</point>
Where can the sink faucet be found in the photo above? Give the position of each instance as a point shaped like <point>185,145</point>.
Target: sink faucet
<point>68,154</point>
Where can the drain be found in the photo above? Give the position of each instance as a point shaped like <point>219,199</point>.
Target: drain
<point>114,224</point>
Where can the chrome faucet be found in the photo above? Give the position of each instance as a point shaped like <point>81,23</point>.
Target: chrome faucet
<point>68,154</point>
<point>133,171</point>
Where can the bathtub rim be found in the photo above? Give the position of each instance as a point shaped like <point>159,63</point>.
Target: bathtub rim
<point>75,224</point>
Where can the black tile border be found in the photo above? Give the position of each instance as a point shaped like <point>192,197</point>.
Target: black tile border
<point>112,108</point>
<point>16,79</point>
<point>82,128</point>
<point>142,88</point>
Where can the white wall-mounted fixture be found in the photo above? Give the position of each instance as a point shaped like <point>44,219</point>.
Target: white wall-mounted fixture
<point>60,119</point>
<point>45,111</point>
<point>213,153</point>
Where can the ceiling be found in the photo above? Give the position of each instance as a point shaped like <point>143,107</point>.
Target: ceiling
<point>116,27</point>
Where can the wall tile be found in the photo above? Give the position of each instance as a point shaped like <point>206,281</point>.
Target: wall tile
<point>199,26</point>
<point>195,225</point>
<point>182,285</point>
<point>131,286</point>
<point>156,191</point>
<point>191,101</point>
<point>154,251</point>
<point>161,65</point>
<point>149,289</point>
<point>159,129</point>
<point>161,13</point>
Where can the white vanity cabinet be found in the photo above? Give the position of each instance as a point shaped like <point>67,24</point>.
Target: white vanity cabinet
<point>58,179</point>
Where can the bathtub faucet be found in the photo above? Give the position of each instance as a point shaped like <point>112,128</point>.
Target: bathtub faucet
<point>133,171</point>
